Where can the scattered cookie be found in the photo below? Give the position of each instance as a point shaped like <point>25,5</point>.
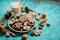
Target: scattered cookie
<point>36,32</point>
<point>42,22</point>
<point>13,34</point>
<point>7,34</point>
<point>24,37</point>
<point>37,17</point>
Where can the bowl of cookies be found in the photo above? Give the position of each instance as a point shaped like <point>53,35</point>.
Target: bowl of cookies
<point>21,22</point>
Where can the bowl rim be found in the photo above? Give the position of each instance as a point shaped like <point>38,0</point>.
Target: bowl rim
<point>20,31</point>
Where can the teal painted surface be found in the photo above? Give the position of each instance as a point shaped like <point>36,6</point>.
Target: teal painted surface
<point>52,9</point>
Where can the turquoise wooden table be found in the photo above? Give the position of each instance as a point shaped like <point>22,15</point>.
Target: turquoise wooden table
<point>51,9</point>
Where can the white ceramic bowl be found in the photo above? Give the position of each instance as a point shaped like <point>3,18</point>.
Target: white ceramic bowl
<point>16,30</point>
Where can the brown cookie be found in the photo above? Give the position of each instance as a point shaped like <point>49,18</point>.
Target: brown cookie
<point>7,34</point>
<point>42,24</point>
<point>43,20</point>
<point>36,32</point>
<point>38,17</point>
